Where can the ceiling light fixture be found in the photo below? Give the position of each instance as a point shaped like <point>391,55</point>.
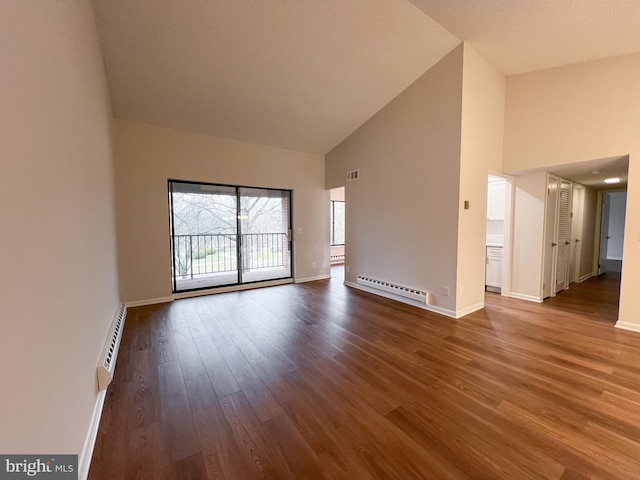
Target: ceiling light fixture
<point>612,180</point>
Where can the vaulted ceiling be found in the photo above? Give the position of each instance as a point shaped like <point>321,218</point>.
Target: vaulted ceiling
<point>519,36</point>
<point>304,74</point>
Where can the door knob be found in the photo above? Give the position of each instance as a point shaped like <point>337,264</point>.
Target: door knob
<point>554,244</point>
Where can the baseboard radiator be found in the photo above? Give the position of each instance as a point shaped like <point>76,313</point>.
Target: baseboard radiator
<point>337,258</point>
<point>407,292</point>
<point>107,361</point>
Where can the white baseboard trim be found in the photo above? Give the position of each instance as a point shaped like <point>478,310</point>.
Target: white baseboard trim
<point>398,298</point>
<point>585,277</point>
<point>150,301</point>
<point>528,298</point>
<point>468,310</point>
<point>84,462</point>
<point>312,279</point>
<point>632,327</point>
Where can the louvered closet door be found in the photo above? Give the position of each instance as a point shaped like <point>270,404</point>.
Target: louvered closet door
<point>564,236</point>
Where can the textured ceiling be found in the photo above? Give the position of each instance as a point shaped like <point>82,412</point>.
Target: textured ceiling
<point>301,74</point>
<point>304,74</point>
<point>519,36</point>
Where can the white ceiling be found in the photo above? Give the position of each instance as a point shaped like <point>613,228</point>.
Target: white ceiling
<point>519,36</point>
<point>592,173</point>
<point>304,74</point>
<point>301,74</point>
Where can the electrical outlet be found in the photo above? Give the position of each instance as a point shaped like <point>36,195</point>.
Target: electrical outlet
<point>446,291</point>
<point>346,268</point>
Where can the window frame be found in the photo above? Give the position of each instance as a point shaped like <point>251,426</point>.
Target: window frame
<point>237,188</point>
<point>333,223</point>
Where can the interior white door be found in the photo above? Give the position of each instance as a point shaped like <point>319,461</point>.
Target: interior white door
<point>563,236</point>
<point>604,233</point>
<point>576,233</point>
<point>551,215</point>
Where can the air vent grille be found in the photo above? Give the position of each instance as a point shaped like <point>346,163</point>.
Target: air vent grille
<point>353,175</point>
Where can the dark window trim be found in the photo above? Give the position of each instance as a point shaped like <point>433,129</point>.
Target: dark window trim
<point>171,181</point>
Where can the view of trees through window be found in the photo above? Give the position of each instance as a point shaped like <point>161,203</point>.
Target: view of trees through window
<point>234,231</point>
<point>337,222</point>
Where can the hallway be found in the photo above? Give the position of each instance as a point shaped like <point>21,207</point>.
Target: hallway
<point>596,298</point>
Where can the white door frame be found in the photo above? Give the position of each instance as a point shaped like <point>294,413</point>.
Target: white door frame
<point>507,246</point>
<point>577,223</point>
<point>598,234</point>
<point>550,236</point>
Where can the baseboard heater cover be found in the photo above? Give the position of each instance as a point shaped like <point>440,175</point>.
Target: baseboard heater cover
<point>337,258</point>
<point>107,361</point>
<point>403,291</point>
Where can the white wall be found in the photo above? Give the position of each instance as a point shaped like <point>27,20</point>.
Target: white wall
<point>337,194</point>
<point>528,236</point>
<point>483,93</point>
<point>58,288</point>
<point>146,156</point>
<point>582,112</point>
<point>402,214</point>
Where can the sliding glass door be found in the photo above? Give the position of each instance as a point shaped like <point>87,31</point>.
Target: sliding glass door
<point>226,235</point>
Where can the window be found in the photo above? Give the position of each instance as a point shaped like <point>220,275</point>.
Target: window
<point>228,235</point>
<point>337,222</point>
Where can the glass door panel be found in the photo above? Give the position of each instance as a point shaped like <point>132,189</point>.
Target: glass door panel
<point>204,235</point>
<point>226,235</point>
<point>264,230</point>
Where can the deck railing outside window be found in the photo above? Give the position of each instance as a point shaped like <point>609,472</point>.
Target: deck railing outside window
<point>216,253</point>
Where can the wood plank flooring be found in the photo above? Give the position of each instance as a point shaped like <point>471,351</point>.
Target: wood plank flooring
<point>317,380</point>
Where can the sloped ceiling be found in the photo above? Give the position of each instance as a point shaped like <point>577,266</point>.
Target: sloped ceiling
<point>300,74</point>
<point>519,36</point>
<point>304,74</point>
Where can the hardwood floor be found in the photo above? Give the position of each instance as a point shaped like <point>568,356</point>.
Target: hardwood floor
<point>317,380</point>
<point>596,297</point>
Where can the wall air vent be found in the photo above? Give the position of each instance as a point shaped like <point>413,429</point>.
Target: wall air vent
<point>353,175</point>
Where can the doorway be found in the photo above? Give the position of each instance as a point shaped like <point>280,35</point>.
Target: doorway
<point>498,233</point>
<point>337,214</point>
<point>223,235</point>
<point>612,222</point>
